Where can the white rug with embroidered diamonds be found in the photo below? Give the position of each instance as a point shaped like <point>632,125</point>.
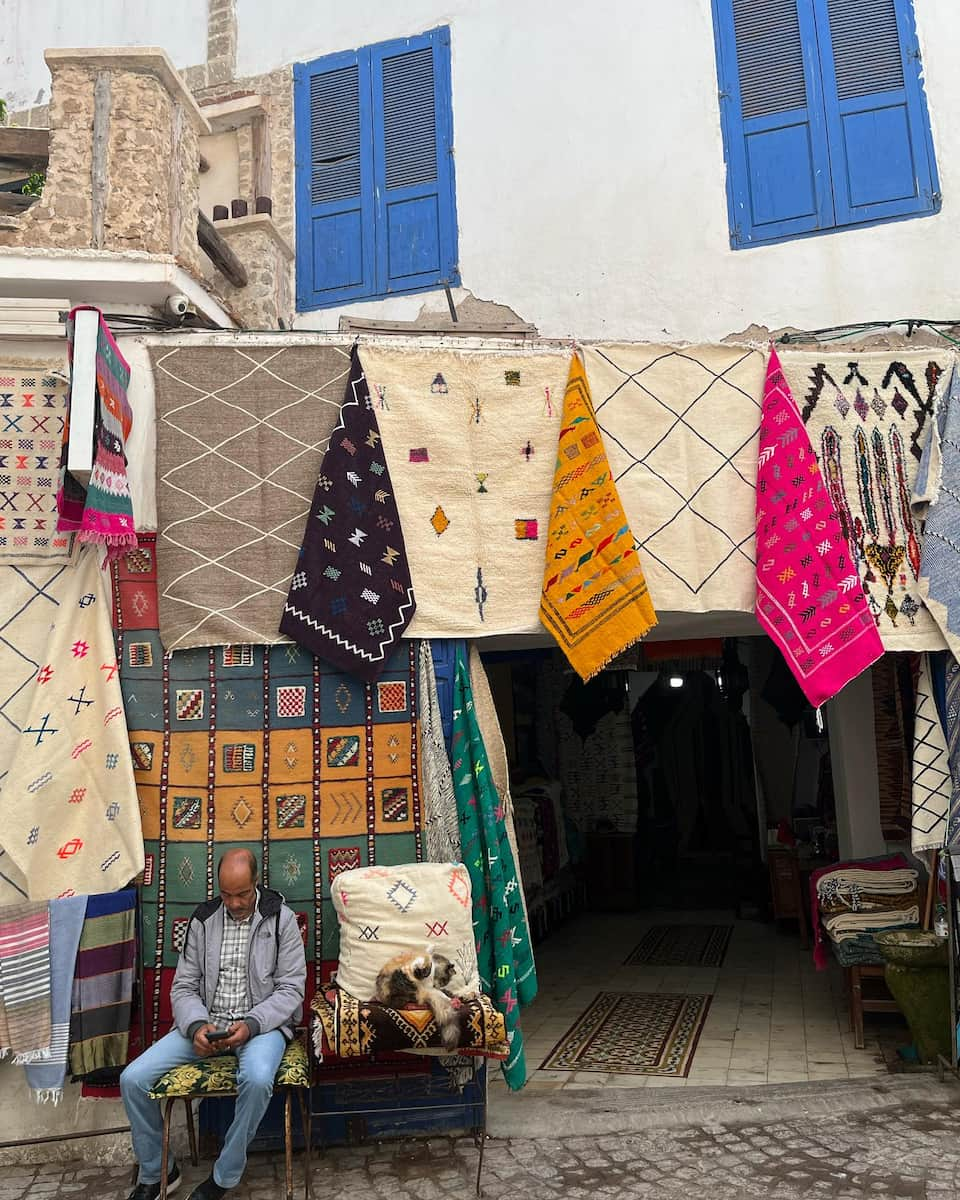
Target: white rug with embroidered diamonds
<point>68,808</point>
<point>470,440</point>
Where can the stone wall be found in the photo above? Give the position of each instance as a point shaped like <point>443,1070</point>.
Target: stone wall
<point>267,299</point>
<point>63,217</point>
<point>184,186</point>
<point>268,296</point>
<point>149,201</point>
<point>123,172</point>
<point>139,151</point>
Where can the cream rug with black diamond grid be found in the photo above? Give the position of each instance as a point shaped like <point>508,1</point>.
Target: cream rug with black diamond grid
<point>680,425</point>
<point>633,1033</point>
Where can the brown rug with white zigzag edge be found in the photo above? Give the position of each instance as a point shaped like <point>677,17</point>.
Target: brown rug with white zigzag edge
<point>681,946</point>
<point>633,1033</point>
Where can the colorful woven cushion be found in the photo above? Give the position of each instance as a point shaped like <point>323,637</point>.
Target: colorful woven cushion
<point>348,1027</point>
<point>384,911</point>
<point>217,1076</point>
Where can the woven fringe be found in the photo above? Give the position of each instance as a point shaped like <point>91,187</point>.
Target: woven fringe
<point>48,1096</point>
<point>617,653</point>
<point>115,543</point>
<point>31,1056</point>
<point>459,1070</point>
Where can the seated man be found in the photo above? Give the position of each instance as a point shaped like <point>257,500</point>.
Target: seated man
<point>241,969</point>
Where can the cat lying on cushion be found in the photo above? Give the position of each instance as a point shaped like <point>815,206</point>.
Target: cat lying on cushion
<point>425,979</point>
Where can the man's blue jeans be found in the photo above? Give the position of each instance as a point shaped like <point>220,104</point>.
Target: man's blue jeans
<point>257,1066</point>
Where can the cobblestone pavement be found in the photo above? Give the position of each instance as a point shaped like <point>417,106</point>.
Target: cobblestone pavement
<point>904,1151</point>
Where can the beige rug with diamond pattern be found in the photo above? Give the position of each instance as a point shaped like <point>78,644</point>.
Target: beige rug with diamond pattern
<point>241,432</point>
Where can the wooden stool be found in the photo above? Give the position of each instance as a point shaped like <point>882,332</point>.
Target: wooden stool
<point>859,1004</point>
<point>217,1077</point>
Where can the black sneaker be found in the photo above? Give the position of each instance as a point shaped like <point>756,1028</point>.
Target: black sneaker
<point>150,1191</point>
<point>208,1190</point>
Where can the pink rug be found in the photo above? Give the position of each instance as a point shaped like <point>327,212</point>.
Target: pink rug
<point>809,596</point>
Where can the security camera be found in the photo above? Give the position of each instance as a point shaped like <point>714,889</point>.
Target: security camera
<point>178,305</point>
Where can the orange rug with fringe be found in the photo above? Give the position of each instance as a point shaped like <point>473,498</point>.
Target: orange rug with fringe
<point>595,600</point>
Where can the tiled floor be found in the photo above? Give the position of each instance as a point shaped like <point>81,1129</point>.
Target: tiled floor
<point>774,1018</point>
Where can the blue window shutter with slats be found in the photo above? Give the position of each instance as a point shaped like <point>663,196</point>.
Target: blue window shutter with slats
<point>334,180</point>
<point>777,162</point>
<point>882,162</point>
<point>376,209</point>
<point>824,118</point>
<point>413,163</point>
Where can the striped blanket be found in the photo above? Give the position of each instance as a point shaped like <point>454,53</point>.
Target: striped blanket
<point>103,984</point>
<point>45,1079</point>
<point>103,511</point>
<point>848,926</point>
<point>25,982</point>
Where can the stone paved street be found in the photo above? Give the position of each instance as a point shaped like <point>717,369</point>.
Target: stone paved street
<point>902,1149</point>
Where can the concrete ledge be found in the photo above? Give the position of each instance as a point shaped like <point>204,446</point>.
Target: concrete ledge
<point>104,277</point>
<point>256,221</point>
<point>231,114</point>
<point>586,1112</point>
<point>149,60</point>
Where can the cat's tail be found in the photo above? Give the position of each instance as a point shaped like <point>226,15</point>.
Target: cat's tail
<point>447,1018</point>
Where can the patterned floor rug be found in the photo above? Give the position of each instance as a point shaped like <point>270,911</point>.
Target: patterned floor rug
<point>681,946</point>
<point>633,1033</point>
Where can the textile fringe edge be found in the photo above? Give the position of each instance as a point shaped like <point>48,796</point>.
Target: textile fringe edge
<point>30,1056</point>
<point>621,650</point>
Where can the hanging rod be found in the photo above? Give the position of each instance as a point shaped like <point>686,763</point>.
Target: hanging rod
<point>852,328</point>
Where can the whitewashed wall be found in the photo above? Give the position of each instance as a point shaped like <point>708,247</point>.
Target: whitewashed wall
<point>589,161</point>
<point>590,175</point>
<point>28,27</point>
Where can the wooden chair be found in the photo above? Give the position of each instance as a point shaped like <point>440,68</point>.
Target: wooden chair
<point>217,1077</point>
<point>876,999</point>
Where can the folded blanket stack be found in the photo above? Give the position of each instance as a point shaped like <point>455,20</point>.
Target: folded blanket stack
<point>856,903</point>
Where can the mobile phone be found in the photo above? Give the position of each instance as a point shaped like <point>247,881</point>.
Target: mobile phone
<point>217,1035</point>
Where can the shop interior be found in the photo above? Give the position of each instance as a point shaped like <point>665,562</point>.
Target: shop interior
<point>669,815</point>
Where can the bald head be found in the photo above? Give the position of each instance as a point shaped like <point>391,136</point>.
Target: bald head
<point>237,874</point>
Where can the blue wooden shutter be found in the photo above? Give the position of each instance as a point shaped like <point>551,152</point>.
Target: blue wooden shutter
<point>413,163</point>
<point>772,115</point>
<point>444,651</point>
<point>878,128</point>
<point>334,177</point>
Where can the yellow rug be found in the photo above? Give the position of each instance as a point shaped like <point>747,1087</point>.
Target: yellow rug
<point>595,600</point>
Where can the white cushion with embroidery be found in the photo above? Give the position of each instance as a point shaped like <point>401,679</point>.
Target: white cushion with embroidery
<point>384,911</point>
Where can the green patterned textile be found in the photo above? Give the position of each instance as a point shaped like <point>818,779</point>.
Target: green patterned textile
<point>504,951</point>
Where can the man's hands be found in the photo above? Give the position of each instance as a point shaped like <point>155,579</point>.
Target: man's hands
<point>239,1034</point>
<point>202,1048</point>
